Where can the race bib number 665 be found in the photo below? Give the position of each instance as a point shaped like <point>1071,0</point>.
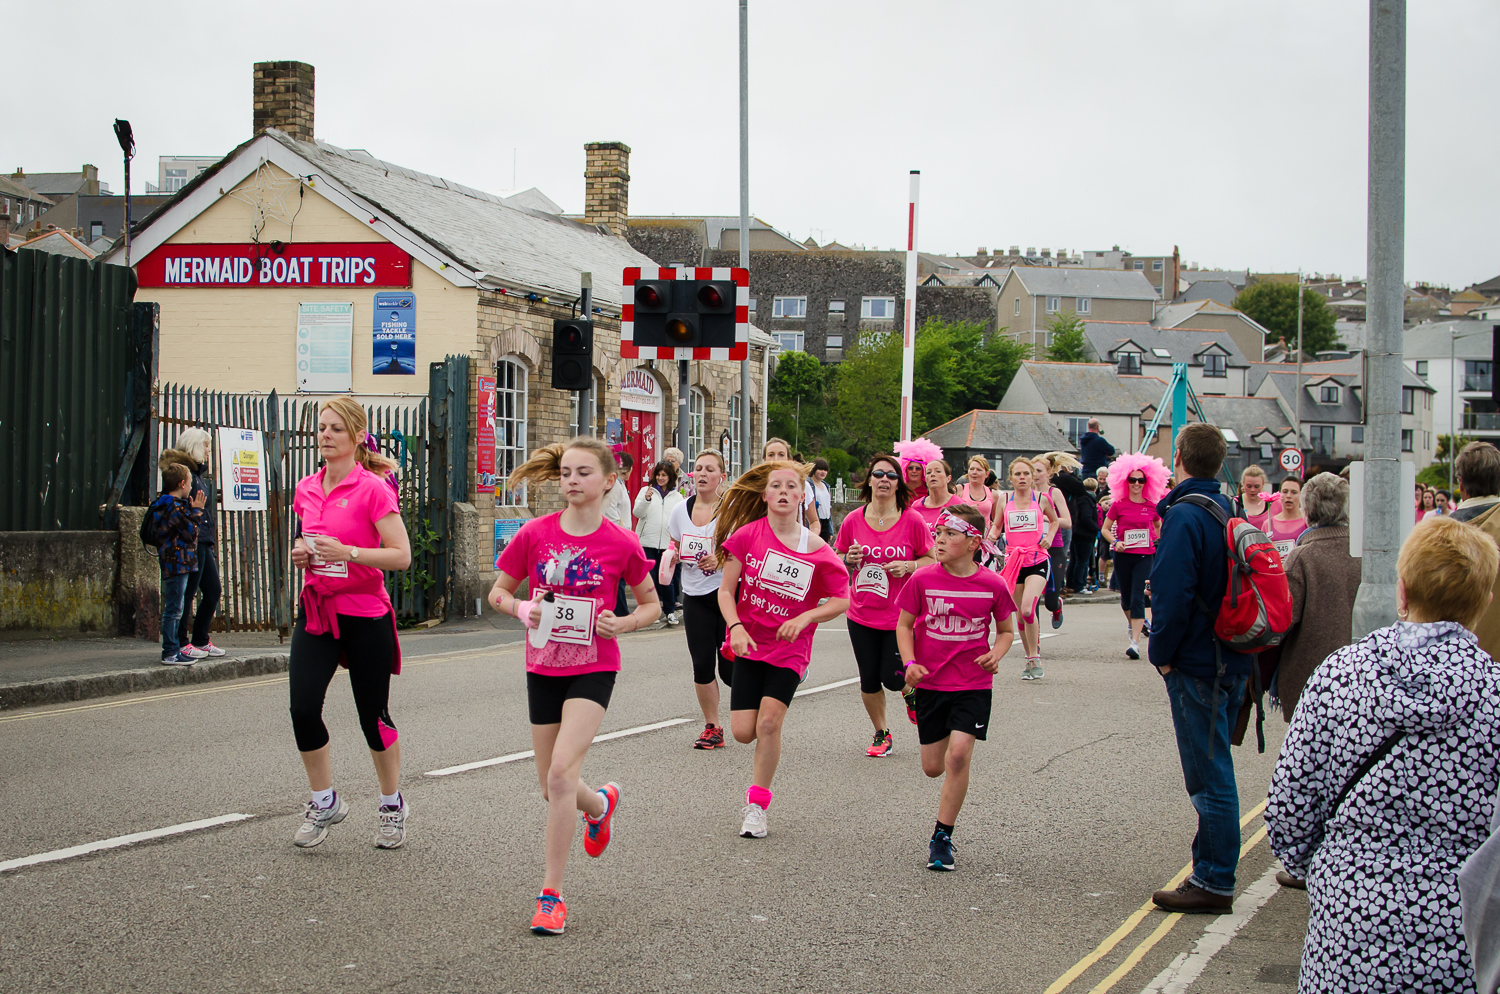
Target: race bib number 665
<point>791,578</point>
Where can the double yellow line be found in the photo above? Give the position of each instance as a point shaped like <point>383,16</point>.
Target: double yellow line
<point>1149,942</point>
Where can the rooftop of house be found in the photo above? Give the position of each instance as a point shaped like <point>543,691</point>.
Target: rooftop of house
<point>1221,291</point>
<point>10,188</point>
<point>998,431</point>
<point>59,242</point>
<point>55,185</point>
<point>1253,420</point>
<point>1174,315</point>
<point>1238,277</point>
<point>1468,339</point>
<point>1092,388</point>
<point>1161,346</point>
<point>1105,284</point>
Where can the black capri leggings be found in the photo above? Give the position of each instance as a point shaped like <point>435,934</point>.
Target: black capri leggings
<point>368,646</point>
<point>705,633</point>
<point>878,658</point>
<point>1133,569</point>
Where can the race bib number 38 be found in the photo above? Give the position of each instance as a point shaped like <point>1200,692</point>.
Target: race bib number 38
<point>791,578</point>
<point>572,619</point>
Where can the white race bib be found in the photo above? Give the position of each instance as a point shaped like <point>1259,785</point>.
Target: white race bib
<point>1284,546</point>
<point>319,566</point>
<point>1137,538</point>
<point>872,580</point>
<point>694,546</point>
<point>1022,521</point>
<point>791,578</point>
<point>572,619</point>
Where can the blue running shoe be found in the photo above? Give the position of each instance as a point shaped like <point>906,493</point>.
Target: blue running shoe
<point>940,852</point>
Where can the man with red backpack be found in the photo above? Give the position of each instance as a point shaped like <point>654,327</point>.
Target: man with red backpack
<point>1205,682</point>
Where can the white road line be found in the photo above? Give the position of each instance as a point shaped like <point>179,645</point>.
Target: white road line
<point>118,841</point>
<point>1187,967</point>
<point>516,757</point>
<point>826,686</point>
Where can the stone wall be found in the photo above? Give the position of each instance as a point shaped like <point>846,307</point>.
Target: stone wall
<point>58,583</point>
<point>974,304</point>
<point>664,243</point>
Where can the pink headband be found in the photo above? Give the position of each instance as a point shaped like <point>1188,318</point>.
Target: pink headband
<point>953,522</point>
<point>370,443</point>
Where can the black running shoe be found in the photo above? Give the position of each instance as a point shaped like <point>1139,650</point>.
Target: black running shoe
<point>940,852</point>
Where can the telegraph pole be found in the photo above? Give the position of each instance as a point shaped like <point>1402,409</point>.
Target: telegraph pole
<point>909,333</point>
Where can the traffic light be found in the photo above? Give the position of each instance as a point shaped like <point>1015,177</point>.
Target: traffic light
<point>573,354</point>
<point>688,313</point>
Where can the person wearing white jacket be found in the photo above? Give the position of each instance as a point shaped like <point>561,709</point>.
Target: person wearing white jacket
<point>653,508</point>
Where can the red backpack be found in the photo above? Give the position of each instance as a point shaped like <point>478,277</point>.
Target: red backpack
<point>1257,607</point>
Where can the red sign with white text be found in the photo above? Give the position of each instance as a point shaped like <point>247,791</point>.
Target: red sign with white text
<point>279,264</point>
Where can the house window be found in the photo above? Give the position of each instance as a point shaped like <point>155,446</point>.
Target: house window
<point>1215,365</point>
<point>1328,394</point>
<point>1085,305</point>
<point>1357,434</point>
<point>175,179</point>
<point>1138,264</point>
<point>695,424</point>
<point>733,455</point>
<point>789,307</point>
<point>790,341</point>
<point>835,307</point>
<point>1156,265</point>
<point>510,429</point>
<point>1054,304</point>
<point>1408,400</point>
<point>752,305</point>
<point>96,230</point>
<point>1130,363</point>
<point>1321,437</point>
<point>1076,429</point>
<point>1407,439</point>
<point>1422,368</point>
<point>1018,307</point>
<point>878,308</point>
<point>1477,375</point>
<point>835,341</point>
<point>1265,450</point>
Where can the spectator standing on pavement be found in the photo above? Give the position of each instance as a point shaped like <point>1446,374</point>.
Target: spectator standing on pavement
<point>351,533</point>
<point>1132,525</point>
<point>176,524</point>
<point>192,452</point>
<point>1081,513</point>
<point>653,509</point>
<point>818,501</point>
<point>617,509</point>
<point>1205,681</point>
<point>1477,470</point>
<point>1426,504</point>
<point>1093,449</point>
<point>1386,780</point>
<point>1444,502</point>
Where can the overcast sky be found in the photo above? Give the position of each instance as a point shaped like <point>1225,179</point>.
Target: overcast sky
<point>1233,130</point>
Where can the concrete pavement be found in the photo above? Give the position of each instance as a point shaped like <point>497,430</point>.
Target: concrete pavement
<point>1076,812</point>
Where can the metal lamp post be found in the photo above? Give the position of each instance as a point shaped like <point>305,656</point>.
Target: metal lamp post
<point>126,138</point>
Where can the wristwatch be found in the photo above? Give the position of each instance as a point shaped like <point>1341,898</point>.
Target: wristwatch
<point>353,554</point>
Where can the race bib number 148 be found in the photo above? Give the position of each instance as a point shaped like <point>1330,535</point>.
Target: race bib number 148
<point>791,578</point>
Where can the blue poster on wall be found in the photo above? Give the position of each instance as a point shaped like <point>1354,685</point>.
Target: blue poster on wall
<point>395,340</point>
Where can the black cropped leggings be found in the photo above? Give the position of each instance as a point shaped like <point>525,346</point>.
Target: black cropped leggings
<point>878,658</point>
<point>368,646</point>
<point>705,633</point>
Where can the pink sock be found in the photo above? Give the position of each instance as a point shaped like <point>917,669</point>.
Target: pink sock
<point>760,796</point>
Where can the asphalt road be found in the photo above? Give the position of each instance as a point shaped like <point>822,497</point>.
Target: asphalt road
<point>1075,814</point>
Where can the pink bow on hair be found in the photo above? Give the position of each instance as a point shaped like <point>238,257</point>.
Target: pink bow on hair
<point>371,443</point>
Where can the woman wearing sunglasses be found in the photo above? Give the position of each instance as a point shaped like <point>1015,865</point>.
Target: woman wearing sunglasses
<point>1132,526</point>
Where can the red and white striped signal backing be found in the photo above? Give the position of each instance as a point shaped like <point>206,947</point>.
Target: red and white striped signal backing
<point>741,278</point>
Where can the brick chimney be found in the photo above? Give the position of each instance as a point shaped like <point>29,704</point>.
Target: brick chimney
<point>284,98</point>
<point>606,191</point>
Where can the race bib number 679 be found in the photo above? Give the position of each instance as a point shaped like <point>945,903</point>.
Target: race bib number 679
<point>791,578</point>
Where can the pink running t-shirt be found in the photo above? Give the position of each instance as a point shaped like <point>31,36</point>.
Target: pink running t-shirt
<point>776,585</point>
<point>931,514</point>
<point>872,599</point>
<point>1135,524</point>
<point>953,624</point>
<point>349,513</point>
<point>1283,534</point>
<point>583,571</point>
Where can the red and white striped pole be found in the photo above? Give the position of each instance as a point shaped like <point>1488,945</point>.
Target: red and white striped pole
<point>909,324</point>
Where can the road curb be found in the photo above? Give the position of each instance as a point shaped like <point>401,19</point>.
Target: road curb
<point>62,690</point>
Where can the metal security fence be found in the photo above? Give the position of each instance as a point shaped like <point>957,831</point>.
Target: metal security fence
<point>254,547</point>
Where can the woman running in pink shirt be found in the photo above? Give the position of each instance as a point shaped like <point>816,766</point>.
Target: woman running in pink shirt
<point>1132,526</point>
<point>1029,522</point>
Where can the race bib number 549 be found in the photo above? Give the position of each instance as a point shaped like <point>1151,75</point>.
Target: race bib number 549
<point>791,578</point>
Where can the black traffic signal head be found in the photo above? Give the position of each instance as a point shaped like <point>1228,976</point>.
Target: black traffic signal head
<point>672,314</point>
<point>573,354</point>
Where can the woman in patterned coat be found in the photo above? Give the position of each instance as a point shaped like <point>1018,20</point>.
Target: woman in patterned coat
<point>1422,700</point>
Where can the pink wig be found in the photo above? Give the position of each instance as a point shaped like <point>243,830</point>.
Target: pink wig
<point>918,450</point>
<point>1156,476</point>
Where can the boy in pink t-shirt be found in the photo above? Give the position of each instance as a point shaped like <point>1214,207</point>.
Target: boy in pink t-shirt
<point>946,610</point>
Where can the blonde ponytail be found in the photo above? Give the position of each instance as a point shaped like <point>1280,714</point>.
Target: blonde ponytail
<point>545,464</point>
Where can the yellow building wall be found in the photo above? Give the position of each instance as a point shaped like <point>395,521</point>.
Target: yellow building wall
<point>244,339</point>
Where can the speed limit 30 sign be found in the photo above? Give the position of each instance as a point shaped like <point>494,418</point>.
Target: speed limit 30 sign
<point>1291,460</point>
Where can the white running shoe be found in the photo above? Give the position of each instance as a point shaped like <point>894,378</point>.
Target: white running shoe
<point>755,822</point>
<point>392,831</point>
<point>315,822</point>
<point>210,649</point>
<point>1134,652</point>
<point>194,652</point>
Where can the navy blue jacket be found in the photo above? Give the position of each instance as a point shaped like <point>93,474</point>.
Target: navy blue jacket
<point>1094,451</point>
<point>1192,557</point>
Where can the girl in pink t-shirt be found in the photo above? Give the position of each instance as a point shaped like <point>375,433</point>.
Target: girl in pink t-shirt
<point>573,560</point>
<point>974,492</point>
<point>1288,522</point>
<point>775,573</point>
<point>351,533</point>
<point>939,493</point>
<point>944,629</point>
<point>1253,503</point>
<point>1029,522</point>
<point>1132,526</point>
<point>883,543</point>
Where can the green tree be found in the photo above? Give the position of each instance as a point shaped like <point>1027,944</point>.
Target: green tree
<point>867,393</point>
<point>798,410</point>
<point>1068,343</point>
<point>1274,306</point>
<point>798,375</point>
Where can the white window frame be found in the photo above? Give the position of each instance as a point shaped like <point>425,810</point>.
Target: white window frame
<point>779,308</point>
<point>1323,392</point>
<point>866,308</point>
<point>1265,450</point>
<point>733,455</point>
<point>796,336</point>
<point>587,428</point>
<point>1076,429</point>
<point>1085,305</point>
<point>1018,307</point>
<point>512,380</point>
<point>1220,368</point>
<point>1422,368</point>
<point>752,305</point>
<point>1138,264</point>
<point>1156,265</point>
<point>1054,304</point>
<point>835,341</point>
<point>697,408</point>
<point>835,307</point>
<point>1315,432</point>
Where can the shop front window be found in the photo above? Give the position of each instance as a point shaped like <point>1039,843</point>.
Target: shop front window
<point>695,424</point>
<point>736,464</point>
<point>510,429</point>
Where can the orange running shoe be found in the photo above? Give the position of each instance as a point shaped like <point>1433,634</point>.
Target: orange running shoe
<point>551,914</point>
<point>596,833</point>
<point>882,745</point>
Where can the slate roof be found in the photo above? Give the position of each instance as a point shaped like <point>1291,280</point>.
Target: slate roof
<point>1350,369</point>
<point>53,185</point>
<point>1001,431</point>
<point>1107,284</point>
<point>1093,388</point>
<point>1175,314</point>
<point>1246,416</point>
<point>1432,340</point>
<point>10,188</point>
<point>1237,277</point>
<point>1221,291</point>
<point>1184,345</point>
<point>59,242</point>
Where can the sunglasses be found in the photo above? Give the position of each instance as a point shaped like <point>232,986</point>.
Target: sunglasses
<point>1136,481</point>
<point>884,474</point>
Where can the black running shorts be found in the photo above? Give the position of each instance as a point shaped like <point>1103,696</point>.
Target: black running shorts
<point>545,694</point>
<point>754,680</point>
<point>942,711</point>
